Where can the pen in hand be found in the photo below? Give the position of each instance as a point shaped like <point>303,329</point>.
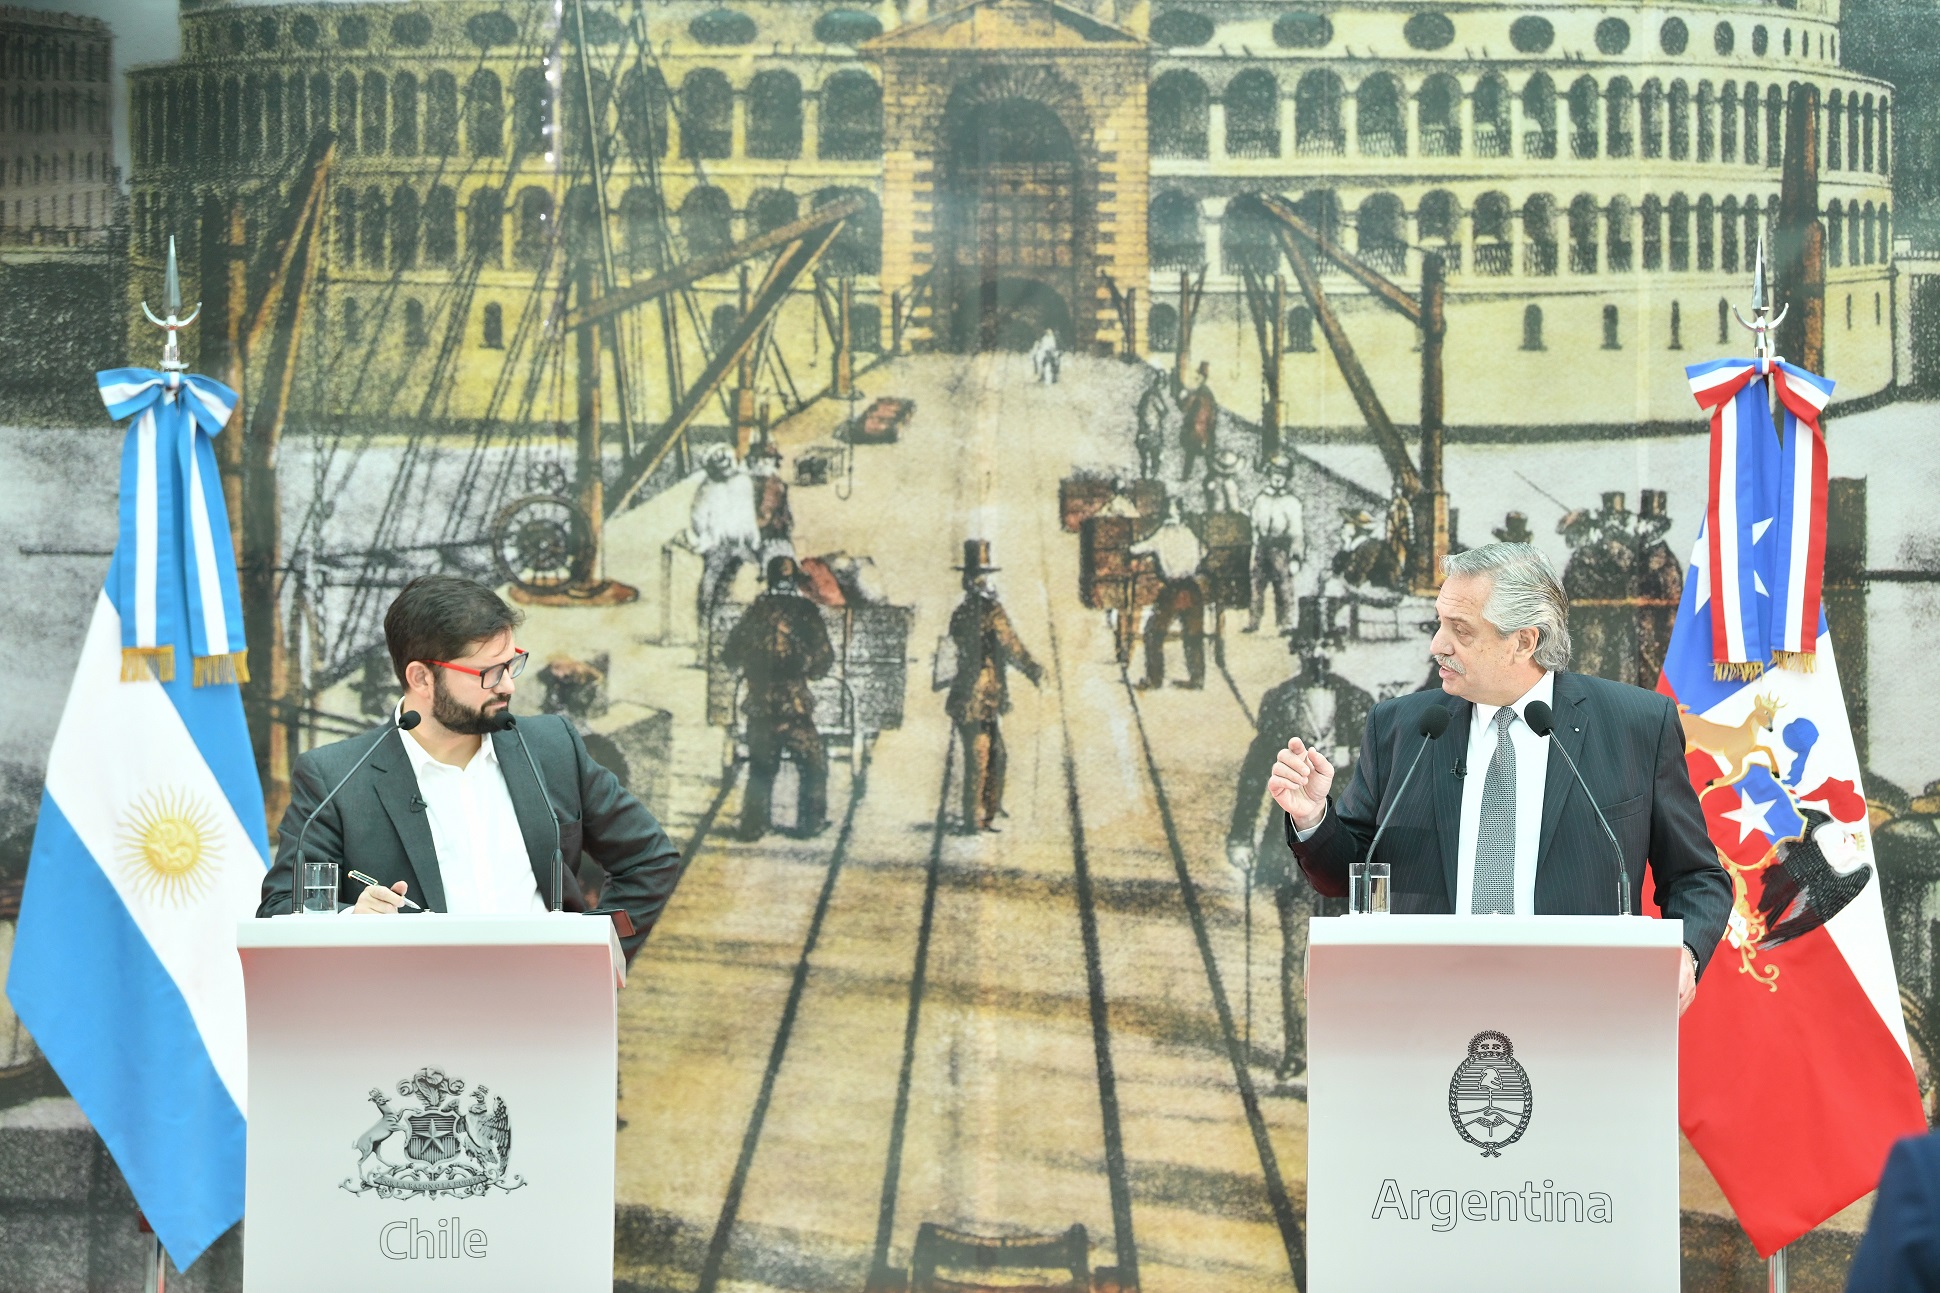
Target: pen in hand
<point>375,884</point>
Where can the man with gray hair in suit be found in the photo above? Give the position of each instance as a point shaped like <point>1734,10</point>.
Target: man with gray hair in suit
<point>1496,822</point>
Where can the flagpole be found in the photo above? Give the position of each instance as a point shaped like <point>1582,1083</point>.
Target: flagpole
<point>155,1259</point>
<point>1761,325</point>
<point>1762,328</point>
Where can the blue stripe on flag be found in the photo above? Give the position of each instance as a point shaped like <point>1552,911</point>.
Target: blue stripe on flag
<point>214,717</point>
<point>111,1021</point>
<point>1687,661</point>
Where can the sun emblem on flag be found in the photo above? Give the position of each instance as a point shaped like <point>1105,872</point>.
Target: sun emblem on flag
<point>168,845</point>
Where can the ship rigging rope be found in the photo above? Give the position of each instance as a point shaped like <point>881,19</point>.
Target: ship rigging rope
<point>535,346</point>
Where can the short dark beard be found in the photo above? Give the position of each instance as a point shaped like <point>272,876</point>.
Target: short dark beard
<point>455,717</point>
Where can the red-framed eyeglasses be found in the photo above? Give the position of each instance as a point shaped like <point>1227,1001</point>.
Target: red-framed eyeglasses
<point>492,674</point>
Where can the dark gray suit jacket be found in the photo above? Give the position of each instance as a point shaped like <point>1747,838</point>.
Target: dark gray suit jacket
<point>378,825</point>
<point>1630,747</point>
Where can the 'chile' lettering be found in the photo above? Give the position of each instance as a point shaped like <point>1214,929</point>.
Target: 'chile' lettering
<point>404,1241</point>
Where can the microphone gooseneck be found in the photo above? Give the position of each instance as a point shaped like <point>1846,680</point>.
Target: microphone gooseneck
<point>511,724</point>
<point>1543,723</point>
<point>1434,721</point>
<point>404,722</point>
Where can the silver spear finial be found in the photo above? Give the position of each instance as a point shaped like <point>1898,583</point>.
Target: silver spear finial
<point>1760,325</point>
<point>172,295</point>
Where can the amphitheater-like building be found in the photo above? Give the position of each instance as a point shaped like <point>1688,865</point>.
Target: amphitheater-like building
<point>1595,177</point>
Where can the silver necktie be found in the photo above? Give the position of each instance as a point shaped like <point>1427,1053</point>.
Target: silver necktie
<point>1494,888</point>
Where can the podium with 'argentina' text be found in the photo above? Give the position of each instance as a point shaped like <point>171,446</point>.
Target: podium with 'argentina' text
<point>431,1103</point>
<point>1492,1104</point>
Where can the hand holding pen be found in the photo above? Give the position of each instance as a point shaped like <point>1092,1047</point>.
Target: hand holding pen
<point>379,899</point>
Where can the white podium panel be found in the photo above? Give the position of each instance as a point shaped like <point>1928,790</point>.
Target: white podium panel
<point>1492,1104</point>
<point>431,1103</point>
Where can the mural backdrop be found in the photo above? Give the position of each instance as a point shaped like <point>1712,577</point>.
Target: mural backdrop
<point>1198,329</point>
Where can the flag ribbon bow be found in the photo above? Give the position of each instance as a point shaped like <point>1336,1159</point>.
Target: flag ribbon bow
<point>175,566</point>
<point>1765,524</point>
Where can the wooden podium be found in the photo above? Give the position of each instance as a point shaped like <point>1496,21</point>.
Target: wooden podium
<point>431,1102</point>
<point>1492,1104</point>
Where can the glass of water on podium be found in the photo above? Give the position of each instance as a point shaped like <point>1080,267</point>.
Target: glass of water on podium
<point>1375,885</point>
<point>317,888</point>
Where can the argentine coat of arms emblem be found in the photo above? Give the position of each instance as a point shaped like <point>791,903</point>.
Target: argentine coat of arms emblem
<point>445,1147</point>
<point>1489,1099</point>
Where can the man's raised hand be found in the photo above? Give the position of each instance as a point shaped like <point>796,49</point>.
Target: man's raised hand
<point>1300,782</point>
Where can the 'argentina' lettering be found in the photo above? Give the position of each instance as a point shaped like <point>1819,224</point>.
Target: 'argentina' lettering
<point>1443,1209</point>
<point>404,1241</point>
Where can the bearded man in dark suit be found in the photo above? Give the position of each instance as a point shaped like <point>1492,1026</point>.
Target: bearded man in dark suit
<point>1496,822</point>
<point>449,814</point>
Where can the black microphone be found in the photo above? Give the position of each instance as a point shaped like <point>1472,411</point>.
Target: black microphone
<point>1461,766</point>
<point>510,724</point>
<point>1542,723</point>
<point>1434,721</point>
<point>404,722</point>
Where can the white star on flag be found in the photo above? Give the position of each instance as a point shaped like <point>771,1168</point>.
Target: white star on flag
<point>1751,815</point>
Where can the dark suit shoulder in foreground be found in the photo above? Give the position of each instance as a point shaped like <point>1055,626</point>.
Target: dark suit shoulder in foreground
<point>1900,1251</point>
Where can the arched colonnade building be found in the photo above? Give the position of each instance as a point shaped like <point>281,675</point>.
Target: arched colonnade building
<point>1595,176</point>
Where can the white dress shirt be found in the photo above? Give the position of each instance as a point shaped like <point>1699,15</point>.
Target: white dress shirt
<point>481,853</point>
<point>1532,772</point>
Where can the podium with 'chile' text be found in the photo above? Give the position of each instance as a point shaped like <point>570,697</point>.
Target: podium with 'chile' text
<point>431,1103</point>
<point>1492,1104</point>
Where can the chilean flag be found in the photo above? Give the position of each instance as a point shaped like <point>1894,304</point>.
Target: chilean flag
<point>1795,1078</point>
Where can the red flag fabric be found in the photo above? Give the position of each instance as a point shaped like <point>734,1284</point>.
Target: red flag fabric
<point>1794,1074</point>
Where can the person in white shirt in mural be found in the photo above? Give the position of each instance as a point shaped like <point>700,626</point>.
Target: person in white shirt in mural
<point>724,526</point>
<point>1179,553</point>
<point>449,814</point>
<point>1045,357</point>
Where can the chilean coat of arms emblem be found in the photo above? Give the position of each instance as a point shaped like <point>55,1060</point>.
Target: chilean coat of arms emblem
<point>442,1147</point>
<point>1489,1099</point>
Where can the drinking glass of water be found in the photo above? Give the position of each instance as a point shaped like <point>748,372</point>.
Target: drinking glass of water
<point>317,887</point>
<point>1375,888</point>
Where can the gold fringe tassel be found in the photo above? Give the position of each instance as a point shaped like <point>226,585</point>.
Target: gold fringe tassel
<point>1737,670</point>
<point>139,664</point>
<point>216,670</point>
<point>1796,661</point>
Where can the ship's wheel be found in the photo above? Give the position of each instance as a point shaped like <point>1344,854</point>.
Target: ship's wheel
<point>543,543</point>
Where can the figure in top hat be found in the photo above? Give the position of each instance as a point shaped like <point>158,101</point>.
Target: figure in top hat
<point>1317,700</point>
<point>1514,529</point>
<point>1660,584</point>
<point>779,645</point>
<point>986,649</point>
<point>1201,419</point>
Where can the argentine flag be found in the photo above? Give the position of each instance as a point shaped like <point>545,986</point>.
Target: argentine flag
<point>151,844</point>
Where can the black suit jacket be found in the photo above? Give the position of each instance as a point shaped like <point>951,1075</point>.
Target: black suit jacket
<point>1628,743</point>
<point>377,823</point>
<point>1900,1252</point>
